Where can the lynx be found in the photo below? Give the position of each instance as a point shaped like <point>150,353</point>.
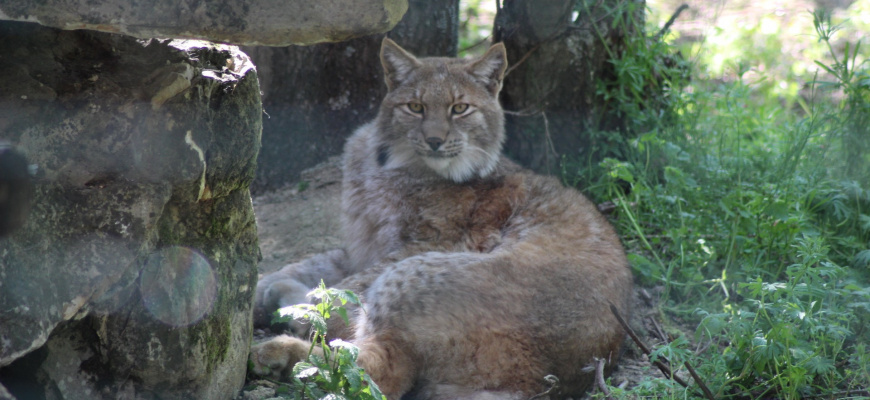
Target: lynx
<point>477,277</point>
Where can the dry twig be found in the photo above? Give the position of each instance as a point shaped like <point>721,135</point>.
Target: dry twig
<point>659,332</point>
<point>527,112</point>
<point>845,393</point>
<point>702,347</point>
<point>549,138</point>
<point>554,385</point>
<point>599,377</point>
<point>530,111</point>
<point>524,58</point>
<point>670,22</point>
<point>482,41</point>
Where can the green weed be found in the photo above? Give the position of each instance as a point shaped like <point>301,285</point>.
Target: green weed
<point>335,375</point>
<point>302,186</point>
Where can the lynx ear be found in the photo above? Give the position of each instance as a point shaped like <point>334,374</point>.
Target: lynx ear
<point>397,63</point>
<point>490,67</point>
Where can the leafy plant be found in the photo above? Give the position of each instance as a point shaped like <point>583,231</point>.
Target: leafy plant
<point>748,217</point>
<point>852,78</point>
<point>334,374</point>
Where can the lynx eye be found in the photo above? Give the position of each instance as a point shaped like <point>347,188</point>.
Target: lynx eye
<point>459,108</point>
<point>415,108</point>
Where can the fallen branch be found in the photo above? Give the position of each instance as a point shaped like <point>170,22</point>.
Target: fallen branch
<point>707,393</point>
<point>658,363</point>
<point>662,367</point>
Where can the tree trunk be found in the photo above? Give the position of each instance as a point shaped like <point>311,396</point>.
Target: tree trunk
<point>315,96</point>
<point>558,51</point>
<point>429,28</point>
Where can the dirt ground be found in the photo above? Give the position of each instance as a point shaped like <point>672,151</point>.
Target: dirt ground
<point>303,219</point>
<point>294,223</point>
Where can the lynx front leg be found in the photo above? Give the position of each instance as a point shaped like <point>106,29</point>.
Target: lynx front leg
<point>290,284</point>
<point>385,362</point>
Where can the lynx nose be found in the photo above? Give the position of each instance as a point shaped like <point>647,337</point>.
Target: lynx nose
<point>434,142</point>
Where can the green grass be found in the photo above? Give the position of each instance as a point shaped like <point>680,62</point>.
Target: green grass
<point>750,208</point>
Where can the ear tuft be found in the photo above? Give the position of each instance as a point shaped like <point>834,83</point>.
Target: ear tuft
<point>397,63</point>
<point>490,67</point>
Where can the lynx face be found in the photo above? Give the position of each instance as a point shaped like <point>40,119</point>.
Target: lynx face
<point>442,114</point>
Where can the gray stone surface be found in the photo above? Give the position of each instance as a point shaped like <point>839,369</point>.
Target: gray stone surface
<point>134,274</point>
<point>252,22</point>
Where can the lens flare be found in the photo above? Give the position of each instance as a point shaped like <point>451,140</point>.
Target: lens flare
<point>177,286</point>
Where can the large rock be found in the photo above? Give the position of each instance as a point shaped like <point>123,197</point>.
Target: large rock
<point>252,22</point>
<point>134,273</point>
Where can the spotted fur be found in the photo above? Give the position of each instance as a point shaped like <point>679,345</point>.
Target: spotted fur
<point>478,277</point>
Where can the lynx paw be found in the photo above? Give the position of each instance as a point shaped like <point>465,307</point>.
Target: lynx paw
<point>274,294</point>
<point>276,357</point>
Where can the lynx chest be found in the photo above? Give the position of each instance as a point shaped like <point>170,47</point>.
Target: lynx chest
<point>474,216</point>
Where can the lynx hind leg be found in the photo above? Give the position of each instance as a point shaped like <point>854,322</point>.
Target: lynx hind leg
<point>289,285</point>
<point>389,364</point>
<point>437,309</point>
<point>276,357</point>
